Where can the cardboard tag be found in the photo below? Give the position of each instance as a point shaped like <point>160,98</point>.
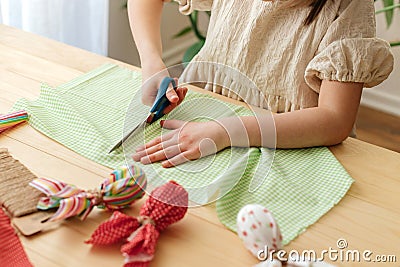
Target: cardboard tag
<point>34,223</point>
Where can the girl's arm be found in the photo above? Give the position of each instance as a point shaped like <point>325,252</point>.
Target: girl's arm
<point>328,124</point>
<point>145,20</point>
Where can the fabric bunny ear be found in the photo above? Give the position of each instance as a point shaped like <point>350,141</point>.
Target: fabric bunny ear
<point>258,230</point>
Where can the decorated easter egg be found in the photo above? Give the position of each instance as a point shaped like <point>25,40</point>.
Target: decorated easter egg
<point>258,230</point>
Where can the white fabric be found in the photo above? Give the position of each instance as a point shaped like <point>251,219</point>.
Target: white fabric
<point>291,263</point>
<point>79,23</point>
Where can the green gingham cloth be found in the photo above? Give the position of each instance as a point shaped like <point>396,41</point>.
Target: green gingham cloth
<point>91,113</point>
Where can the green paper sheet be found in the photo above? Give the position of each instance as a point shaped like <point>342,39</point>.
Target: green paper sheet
<point>88,115</point>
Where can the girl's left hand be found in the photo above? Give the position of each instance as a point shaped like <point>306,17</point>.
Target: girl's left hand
<point>187,141</point>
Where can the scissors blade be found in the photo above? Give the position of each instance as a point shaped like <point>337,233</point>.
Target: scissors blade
<point>156,111</point>
<point>140,125</point>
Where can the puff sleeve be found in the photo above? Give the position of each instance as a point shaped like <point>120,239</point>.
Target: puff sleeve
<point>187,6</point>
<point>349,51</point>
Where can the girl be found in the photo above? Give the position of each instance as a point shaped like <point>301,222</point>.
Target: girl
<point>309,59</point>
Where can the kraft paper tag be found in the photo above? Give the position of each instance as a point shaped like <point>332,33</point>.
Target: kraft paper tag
<point>34,223</point>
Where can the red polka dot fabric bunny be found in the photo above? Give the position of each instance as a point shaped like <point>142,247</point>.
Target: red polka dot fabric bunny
<point>166,205</point>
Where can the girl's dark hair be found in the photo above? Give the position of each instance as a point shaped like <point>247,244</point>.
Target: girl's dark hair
<point>317,6</point>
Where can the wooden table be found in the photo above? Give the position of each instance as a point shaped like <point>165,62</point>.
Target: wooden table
<point>368,217</point>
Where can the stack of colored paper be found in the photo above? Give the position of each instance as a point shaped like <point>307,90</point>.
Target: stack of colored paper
<point>10,120</point>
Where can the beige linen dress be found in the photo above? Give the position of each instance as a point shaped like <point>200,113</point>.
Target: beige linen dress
<point>283,58</point>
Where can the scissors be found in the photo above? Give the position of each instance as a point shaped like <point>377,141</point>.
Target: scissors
<point>156,111</point>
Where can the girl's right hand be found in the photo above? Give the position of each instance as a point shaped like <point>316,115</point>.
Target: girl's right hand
<point>152,75</point>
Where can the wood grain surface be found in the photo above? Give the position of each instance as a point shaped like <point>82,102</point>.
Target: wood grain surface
<point>368,217</point>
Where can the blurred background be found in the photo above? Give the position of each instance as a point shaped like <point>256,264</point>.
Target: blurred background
<point>102,26</point>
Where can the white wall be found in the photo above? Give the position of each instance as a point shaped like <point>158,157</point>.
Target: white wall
<point>386,96</point>
<point>121,44</point>
<point>83,24</point>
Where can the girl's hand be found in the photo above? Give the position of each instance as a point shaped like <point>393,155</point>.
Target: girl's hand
<point>152,76</point>
<point>187,141</point>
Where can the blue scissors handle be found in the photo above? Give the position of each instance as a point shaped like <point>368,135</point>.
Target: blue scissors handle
<point>156,111</point>
<point>161,102</point>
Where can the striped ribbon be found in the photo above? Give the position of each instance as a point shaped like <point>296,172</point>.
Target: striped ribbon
<point>12,119</point>
<point>124,186</point>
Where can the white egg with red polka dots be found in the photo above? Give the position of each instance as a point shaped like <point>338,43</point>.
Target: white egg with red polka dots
<point>258,229</point>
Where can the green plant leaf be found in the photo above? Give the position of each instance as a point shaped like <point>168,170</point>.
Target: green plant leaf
<point>388,13</point>
<point>192,51</point>
<point>193,21</point>
<point>383,10</point>
<point>183,32</point>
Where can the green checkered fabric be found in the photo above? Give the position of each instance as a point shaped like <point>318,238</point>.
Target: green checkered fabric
<point>91,114</point>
